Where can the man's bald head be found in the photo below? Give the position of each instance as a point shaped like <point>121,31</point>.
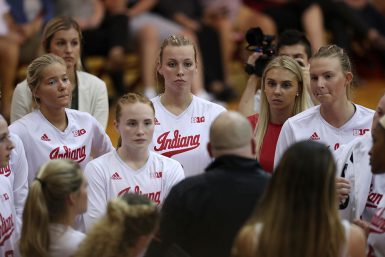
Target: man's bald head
<point>230,131</point>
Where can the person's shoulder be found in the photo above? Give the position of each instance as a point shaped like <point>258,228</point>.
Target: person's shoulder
<point>207,104</point>
<point>356,241</point>
<point>80,115</point>
<point>106,159</point>
<point>23,85</point>
<point>191,184</point>
<point>305,115</point>
<point>89,79</point>
<point>27,120</point>
<point>362,110</point>
<point>165,160</point>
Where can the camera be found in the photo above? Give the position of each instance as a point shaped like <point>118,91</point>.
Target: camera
<point>259,42</point>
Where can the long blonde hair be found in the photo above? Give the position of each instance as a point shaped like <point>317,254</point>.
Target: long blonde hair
<point>46,203</point>
<point>117,233</point>
<point>300,102</point>
<point>298,214</point>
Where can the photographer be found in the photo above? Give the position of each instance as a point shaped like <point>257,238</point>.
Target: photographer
<point>291,43</point>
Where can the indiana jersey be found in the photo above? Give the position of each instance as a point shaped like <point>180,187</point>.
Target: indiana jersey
<point>185,137</point>
<point>375,210</point>
<point>7,219</point>
<point>353,164</point>
<point>310,125</point>
<point>16,172</point>
<point>84,137</point>
<point>109,177</point>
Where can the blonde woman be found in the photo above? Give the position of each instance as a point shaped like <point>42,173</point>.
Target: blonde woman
<point>283,95</point>
<point>56,197</point>
<point>52,131</point>
<point>336,120</point>
<point>125,230</point>
<point>62,36</point>
<point>182,120</point>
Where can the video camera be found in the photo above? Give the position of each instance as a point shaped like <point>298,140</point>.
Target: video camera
<point>259,42</point>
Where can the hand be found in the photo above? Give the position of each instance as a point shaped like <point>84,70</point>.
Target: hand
<point>253,57</point>
<point>364,225</point>
<point>343,189</point>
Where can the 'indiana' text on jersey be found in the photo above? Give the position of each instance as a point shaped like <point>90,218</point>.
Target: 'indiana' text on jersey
<point>78,154</point>
<point>5,171</point>
<point>182,143</point>
<point>6,228</point>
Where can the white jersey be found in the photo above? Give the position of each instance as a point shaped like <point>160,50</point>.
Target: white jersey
<point>17,173</point>
<point>375,208</point>
<point>309,125</point>
<point>92,94</point>
<point>8,221</point>
<point>64,240</point>
<point>109,177</point>
<point>84,137</point>
<point>353,164</point>
<point>185,137</point>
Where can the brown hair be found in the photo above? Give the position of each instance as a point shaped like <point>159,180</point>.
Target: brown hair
<point>57,24</point>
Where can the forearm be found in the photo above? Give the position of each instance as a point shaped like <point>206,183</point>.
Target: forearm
<point>247,102</point>
<point>141,6</point>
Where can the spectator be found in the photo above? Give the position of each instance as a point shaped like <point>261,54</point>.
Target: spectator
<point>62,36</point>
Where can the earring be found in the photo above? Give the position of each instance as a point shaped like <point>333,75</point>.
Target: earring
<point>297,94</point>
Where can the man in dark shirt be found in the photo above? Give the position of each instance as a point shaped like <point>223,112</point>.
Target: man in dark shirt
<point>202,214</point>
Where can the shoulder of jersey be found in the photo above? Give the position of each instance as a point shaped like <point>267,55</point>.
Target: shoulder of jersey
<point>79,114</point>
<point>208,103</point>
<point>305,114</point>
<point>168,160</point>
<point>364,109</point>
<point>23,85</point>
<point>25,121</point>
<point>105,158</point>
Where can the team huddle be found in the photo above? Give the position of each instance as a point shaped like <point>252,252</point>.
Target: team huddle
<point>60,174</point>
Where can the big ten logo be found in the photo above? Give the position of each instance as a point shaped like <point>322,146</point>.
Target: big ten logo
<point>359,132</point>
<point>79,132</point>
<point>198,119</point>
<point>156,174</point>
